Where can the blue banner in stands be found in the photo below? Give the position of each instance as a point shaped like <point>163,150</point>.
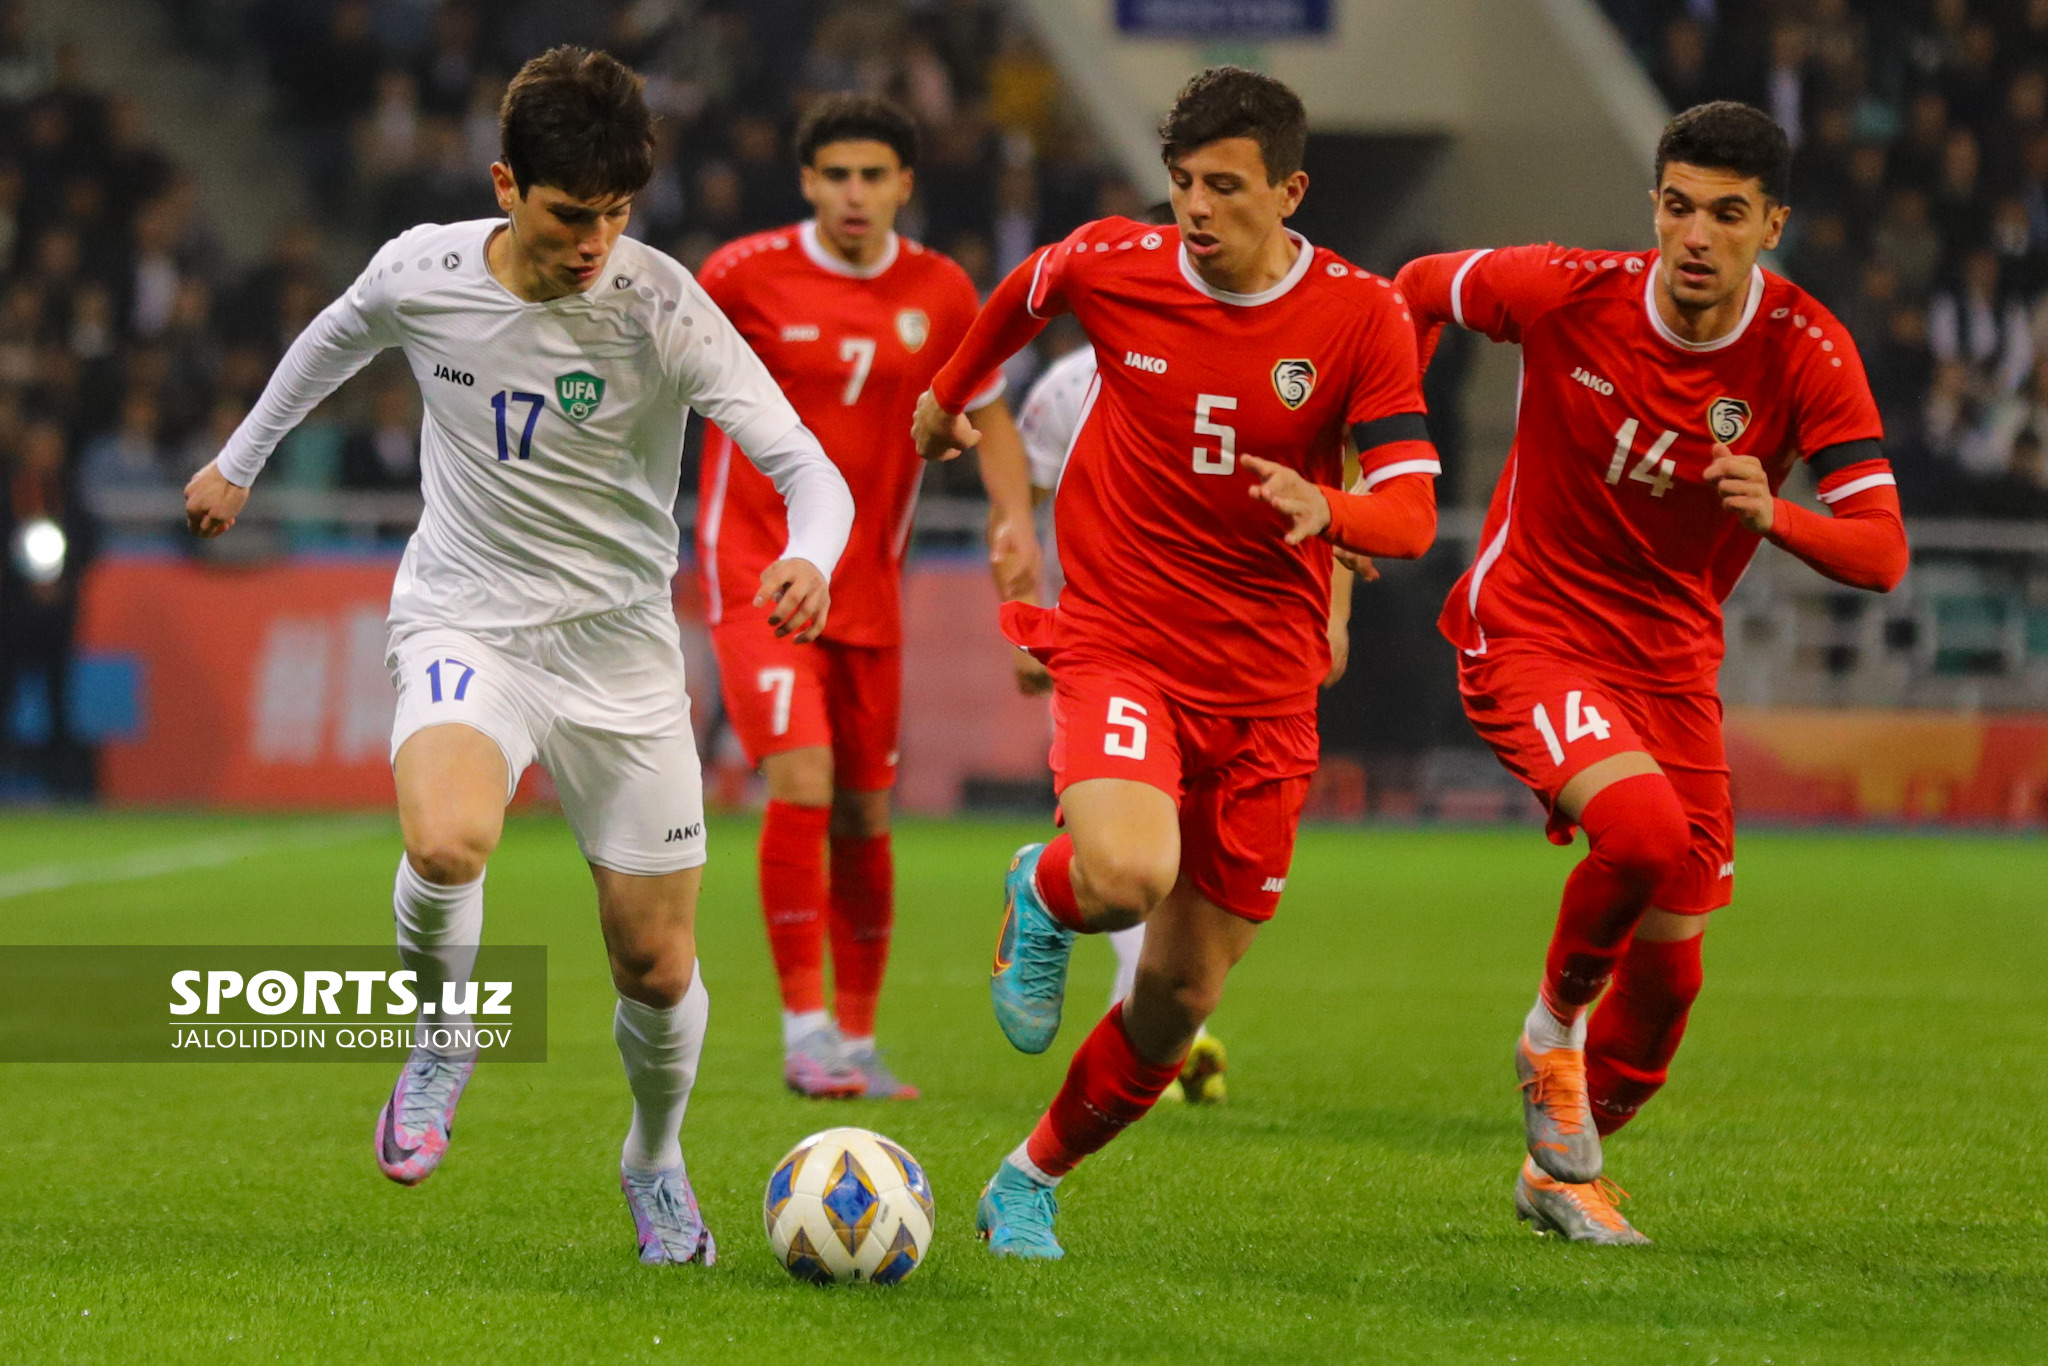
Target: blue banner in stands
<point>1223,18</point>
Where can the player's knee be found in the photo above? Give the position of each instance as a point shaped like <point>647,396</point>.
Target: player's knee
<point>1126,882</point>
<point>859,815</point>
<point>1184,1000</point>
<point>450,858</point>
<point>1638,827</point>
<point>653,977</point>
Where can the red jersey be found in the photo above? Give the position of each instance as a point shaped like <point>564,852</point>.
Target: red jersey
<point>853,349</point>
<point>1172,568</point>
<point>1602,542</point>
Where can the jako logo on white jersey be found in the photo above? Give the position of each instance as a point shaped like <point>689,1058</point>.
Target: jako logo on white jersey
<point>1593,382</point>
<point>1149,364</point>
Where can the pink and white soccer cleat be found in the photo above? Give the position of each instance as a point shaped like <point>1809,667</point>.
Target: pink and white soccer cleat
<point>414,1125</point>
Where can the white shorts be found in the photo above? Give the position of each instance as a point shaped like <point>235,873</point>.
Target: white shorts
<point>598,702</point>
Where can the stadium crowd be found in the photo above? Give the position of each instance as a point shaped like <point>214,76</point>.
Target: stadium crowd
<point>1920,194</point>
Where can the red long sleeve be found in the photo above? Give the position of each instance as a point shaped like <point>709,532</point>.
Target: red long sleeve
<point>1425,286</point>
<point>1862,542</point>
<point>1004,327</point>
<point>1396,521</point>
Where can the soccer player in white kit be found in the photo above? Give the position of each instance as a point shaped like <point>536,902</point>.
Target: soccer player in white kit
<point>531,616</point>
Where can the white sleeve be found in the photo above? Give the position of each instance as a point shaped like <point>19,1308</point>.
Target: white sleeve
<point>719,375</point>
<point>820,504</point>
<point>344,338</point>
<point>1051,413</point>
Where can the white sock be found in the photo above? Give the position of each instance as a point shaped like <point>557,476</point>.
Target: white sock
<point>856,1045</point>
<point>438,931</point>
<point>1546,1031</point>
<point>660,1049</point>
<point>1128,945</point>
<point>1021,1160</point>
<point>797,1023</point>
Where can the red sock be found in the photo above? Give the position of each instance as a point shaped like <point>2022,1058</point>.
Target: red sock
<point>793,899</point>
<point>1056,882</point>
<point>1108,1088</point>
<point>863,909</point>
<point>1636,1027</point>
<point>1639,838</point>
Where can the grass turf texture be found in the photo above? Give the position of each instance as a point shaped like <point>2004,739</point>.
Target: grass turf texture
<point>1847,1167</point>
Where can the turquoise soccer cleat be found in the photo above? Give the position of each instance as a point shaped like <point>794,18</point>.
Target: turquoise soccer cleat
<point>1015,1217</point>
<point>1028,984</point>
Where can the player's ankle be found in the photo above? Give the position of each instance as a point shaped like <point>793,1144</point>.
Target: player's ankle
<point>1020,1159</point>
<point>1546,1028</point>
<point>800,1024</point>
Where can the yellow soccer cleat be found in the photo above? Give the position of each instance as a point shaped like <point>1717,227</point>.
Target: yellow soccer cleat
<point>1201,1076</point>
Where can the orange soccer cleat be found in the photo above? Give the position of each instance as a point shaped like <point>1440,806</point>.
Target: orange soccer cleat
<point>1555,1114</point>
<point>1582,1212</point>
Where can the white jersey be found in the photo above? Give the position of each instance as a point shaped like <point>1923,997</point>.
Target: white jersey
<point>1052,415</point>
<point>552,439</point>
<point>1048,423</point>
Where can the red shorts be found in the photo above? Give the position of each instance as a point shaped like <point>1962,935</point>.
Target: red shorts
<point>782,696</point>
<point>1550,718</point>
<point>1239,781</point>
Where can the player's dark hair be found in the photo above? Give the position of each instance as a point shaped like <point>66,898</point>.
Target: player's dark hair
<point>577,120</point>
<point>1727,135</point>
<point>856,118</point>
<point>1231,102</point>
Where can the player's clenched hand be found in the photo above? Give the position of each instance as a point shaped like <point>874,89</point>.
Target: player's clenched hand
<point>1744,489</point>
<point>1292,496</point>
<point>938,434</point>
<point>212,503</point>
<point>797,596</point>
<point>1013,558</point>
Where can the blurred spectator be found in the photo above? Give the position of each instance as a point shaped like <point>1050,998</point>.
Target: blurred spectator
<point>128,459</point>
<point>45,544</point>
<point>1973,325</point>
<point>1907,242</point>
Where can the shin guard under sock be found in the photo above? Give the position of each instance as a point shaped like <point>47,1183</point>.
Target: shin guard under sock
<point>1637,1026</point>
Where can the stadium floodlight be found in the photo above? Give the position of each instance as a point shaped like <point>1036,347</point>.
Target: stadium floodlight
<point>39,550</point>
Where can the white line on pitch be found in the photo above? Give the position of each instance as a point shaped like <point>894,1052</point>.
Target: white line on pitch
<point>180,858</point>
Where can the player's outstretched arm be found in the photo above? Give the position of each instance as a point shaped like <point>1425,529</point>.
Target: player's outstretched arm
<point>339,341</point>
<point>1862,540</point>
<point>1341,579</point>
<point>1396,520</point>
<point>1005,326</point>
<point>820,520</point>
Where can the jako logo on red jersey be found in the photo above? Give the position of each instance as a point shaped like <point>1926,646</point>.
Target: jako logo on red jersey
<point>1150,364</point>
<point>1593,382</point>
<point>1294,381</point>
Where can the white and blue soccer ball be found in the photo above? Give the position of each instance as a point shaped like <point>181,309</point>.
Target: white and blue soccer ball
<point>849,1205</point>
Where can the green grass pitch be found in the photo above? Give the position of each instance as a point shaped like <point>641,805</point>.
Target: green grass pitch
<point>1848,1166</point>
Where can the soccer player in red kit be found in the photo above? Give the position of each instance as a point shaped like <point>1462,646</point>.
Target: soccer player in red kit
<point>1666,396</point>
<point>1187,646</point>
<point>853,322</point>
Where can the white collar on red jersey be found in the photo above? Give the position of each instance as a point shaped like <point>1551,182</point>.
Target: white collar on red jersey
<point>807,237</point>
<point>1302,260</point>
<point>1749,308</point>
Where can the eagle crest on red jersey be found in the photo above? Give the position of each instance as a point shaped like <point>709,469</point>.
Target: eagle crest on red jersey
<point>1294,381</point>
<point>1727,419</point>
<point>912,328</point>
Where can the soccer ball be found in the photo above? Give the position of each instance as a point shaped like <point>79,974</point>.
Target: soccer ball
<point>849,1205</point>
